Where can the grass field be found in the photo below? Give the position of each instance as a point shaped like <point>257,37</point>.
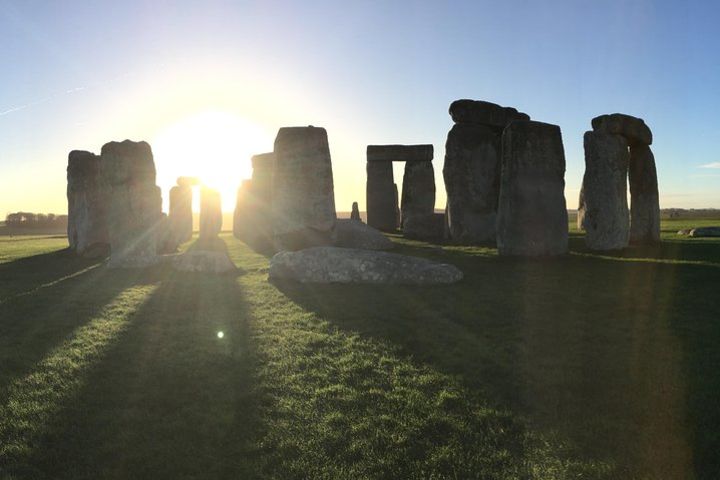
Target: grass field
<point>588,366</point>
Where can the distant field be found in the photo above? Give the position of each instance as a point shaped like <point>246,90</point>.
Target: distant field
<point>588,366</point>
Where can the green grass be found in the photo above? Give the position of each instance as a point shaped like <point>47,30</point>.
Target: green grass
<point>589,366</point>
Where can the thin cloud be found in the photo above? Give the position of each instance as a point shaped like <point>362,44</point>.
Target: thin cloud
<point>711,165</point>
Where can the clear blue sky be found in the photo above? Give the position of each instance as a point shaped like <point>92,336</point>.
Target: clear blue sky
<point>77,74</point>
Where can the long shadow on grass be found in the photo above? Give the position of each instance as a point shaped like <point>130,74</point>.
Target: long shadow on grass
<point>174,396</point>
<point>586,347</point>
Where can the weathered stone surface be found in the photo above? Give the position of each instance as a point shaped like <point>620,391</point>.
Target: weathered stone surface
<point>87,227</point>
<point>354,234</point>
<point>381,197</point>
<point>303,193</point>
<point>210,213</point>
<point>347,265</point>
<point>418,190</point>
<point>180,216</point>
<point>134,205</point>
<point>429,227</point>
<point>484,113</point>
<point>203,261</point>
<point>644,198</point>
<point>252,222</point>
<point>705,232</point>
<point>399,153</point>
<point>605,211</point>
<point>532,214</point>
<point>472,182</point>
<point>632,128</point>
<point>188,181</point>
<point>355,213</point>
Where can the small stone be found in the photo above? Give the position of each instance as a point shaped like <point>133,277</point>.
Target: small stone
<point>355,213</point>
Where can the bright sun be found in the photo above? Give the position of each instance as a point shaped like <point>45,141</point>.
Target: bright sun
<point>214,146</point>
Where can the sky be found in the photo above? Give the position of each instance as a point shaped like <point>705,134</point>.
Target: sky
<point>208,83</point>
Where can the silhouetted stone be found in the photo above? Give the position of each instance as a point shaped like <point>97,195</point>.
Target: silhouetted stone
<point>428,227</point>
<point>180,216</point>
<point>87,227</point>
<point>303,197</point>
<point>210,214</point>
<point>632,128</point>
<point>532,214</point>
<point>134,208</point>
<point>165,238</point>
<point>705,232</point>
<point>399,153</point>
<point>188,181</point>
<point>581,210</point>
<point>606,219</point>
<point>472,182</point>
<point>484,113</point>
<point>355,213</point>
<point>418,190</point>
<point>348,265</point>
<point>354,234</point>
<point>252,221</point>
<point>381,197</point>
<point>644,198</point>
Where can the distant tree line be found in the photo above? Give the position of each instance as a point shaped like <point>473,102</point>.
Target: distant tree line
<point>36,220</point>
<point>690,213</point>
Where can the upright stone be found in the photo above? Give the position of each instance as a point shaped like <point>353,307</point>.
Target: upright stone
<point>644,198</point>
<point>303,199</point>
<point>87,227</point>
<point>134,209</point>
<point>472,181</point>
<point>355,213</point>
<point>253,210</point>
<point>381,197</point>
<point>210,214</point>
<point>604,209</point>
<point>418,190</point>
<point>532,214</point>
<point>180,217</point>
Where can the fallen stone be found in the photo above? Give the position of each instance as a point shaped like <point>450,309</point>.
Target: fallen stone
<point>644,197</point>
<point>632,128</point>
<point>532,213</point>
<point>604,209</point>
<point>399,153</point>
<point>705,232</point>
<point>381,197</point>
<point>429,227</point>
<point>87,225</point>
<point>203,261</point>
<point>303,199</point>
<point>484,113</point>
<point>354,234</point>
<point>347,265</point>
<point>472,182</point>
<point>418,191</point>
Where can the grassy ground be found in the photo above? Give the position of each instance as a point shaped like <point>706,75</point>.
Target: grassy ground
<point>590,366</point>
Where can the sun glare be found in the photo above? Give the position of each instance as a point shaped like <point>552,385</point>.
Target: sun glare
<point>213,146</point>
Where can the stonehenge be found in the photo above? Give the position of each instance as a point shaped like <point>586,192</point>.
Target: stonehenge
<point>134,204</point>
<point>87,227</point>
<point>472,168</point>
<point>303,199</point>
<point>532,215</point>
<point>210,214</point>
<point>618,147</point>
<point>604,192</point>
<point>418,191</point>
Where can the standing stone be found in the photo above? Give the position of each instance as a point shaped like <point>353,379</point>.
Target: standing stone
<point>134,208</point>
<point>355,213</point>
<point>472,181</point>
<point>252,222</point>
<point>644,199</point>
<point>87,228</point>
<point>532,214</point>
<point>396,203</point>
<point>381,197</point>
<point>303,199</point>
<point>180,217</point>
<point>210,214</point>
<point>581,210</point>
<point>604,206</point>
<point>418,190</point>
